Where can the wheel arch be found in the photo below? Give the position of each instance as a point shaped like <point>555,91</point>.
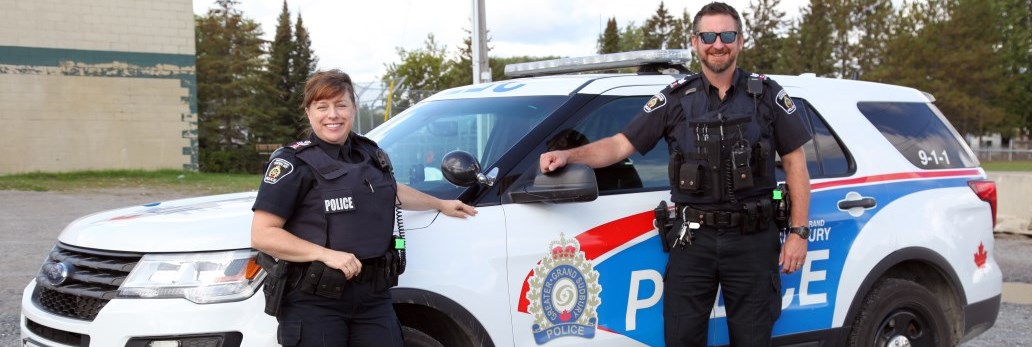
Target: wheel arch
<point>924,267</point>
<point>440,317</point>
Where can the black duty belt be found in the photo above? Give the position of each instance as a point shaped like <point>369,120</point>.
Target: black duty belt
<point>719,219</point>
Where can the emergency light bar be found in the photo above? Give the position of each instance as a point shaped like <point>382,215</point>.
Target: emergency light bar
<point>599,62</point>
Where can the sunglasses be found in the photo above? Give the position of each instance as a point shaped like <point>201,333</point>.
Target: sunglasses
<point>711,37</point>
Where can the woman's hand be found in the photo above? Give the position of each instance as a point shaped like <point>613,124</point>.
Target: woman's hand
<point>342,261</point>
<point>457,209</point>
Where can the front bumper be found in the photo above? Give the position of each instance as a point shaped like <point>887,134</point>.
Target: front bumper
<point>124,319</point>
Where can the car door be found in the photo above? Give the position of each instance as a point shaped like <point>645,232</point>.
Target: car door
<point>591,272</point>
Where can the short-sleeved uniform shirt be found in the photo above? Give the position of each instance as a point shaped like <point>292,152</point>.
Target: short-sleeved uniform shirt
<point>664,116</point>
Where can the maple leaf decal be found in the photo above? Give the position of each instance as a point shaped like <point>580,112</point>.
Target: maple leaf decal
<point>981,256</point>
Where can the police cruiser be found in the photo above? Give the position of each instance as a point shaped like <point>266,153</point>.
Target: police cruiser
<point>900,253</point>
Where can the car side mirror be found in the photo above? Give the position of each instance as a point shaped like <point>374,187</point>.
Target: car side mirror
<point>572,183</point>
<point>462,169</point>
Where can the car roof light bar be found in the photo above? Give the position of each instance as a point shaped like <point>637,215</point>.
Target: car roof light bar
<point>599,62</point>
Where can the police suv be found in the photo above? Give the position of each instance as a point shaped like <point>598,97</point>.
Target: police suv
<point>900,251</point>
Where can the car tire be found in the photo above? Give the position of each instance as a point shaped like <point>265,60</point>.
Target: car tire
<point>900,313</point>
<point>415,338</point>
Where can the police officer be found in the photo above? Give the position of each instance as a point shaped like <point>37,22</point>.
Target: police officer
<point>722,127</point>
<point>327,206</point>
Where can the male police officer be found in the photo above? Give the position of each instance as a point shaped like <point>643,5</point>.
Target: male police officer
<point>722,127</point>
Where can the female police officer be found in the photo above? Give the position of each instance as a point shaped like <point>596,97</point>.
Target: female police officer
<point>326,205</point>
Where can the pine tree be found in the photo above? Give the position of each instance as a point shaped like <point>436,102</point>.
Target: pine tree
<point>279,75</point>
<point>657,28</point>
<point>230,63</point>
<point>681,34</point>
<point>808,45</point>
<point>763,46</point>
<point>303,63</point>
<point>609,41</point>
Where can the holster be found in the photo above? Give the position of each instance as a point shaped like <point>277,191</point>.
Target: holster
<point>275,282</point>
<point>663,224</point>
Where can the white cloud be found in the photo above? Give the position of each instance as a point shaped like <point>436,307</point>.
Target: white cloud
<point>360,37</point>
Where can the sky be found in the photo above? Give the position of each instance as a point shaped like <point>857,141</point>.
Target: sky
<point>361,37</point>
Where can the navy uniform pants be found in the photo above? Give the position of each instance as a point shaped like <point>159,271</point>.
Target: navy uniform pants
<point>362,317</point>
<point>744,265</point>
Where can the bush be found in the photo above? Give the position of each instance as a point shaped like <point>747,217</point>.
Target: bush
<point>239,160</point>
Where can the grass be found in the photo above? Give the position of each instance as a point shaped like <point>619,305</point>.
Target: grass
<point>185,181</point>
<point>1025,165</point>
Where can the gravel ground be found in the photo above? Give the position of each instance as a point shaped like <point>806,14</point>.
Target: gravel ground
<point>31,222</point>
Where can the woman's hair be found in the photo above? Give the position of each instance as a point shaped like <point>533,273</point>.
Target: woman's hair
<point>328,84</point>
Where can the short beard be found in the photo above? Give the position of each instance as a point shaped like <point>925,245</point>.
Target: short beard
<point>719,68</point>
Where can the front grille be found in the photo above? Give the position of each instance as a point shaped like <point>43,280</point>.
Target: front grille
<point>93,280</point>
<point>60,336</point>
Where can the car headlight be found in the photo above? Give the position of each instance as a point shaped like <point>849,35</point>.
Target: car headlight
<point>203,278</point>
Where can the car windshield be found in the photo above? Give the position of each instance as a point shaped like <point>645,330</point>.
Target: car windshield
<point>487,128</point>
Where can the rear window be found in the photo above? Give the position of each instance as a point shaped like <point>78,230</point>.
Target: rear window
<point>919,133</point>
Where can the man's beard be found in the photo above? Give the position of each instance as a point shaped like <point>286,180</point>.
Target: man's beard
<point>719,68</point>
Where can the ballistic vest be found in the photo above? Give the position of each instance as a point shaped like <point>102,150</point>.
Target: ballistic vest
<point>724,155</point>
<point>358,200</point>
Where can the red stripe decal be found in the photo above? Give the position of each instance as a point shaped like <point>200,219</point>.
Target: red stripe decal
<point>894,177</point>
<point>600,240</point>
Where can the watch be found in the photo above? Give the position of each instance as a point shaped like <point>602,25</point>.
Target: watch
<point>803,231</point>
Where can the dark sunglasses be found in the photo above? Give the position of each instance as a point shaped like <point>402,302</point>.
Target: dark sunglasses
<point>711,37</point>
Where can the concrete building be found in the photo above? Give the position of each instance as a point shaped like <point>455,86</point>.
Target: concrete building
<point>97,84</point>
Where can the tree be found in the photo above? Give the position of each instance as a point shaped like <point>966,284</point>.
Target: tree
<point>681,35</point>
<point>1015,23</point>
<point>657,28</point>
<point>875,20</point>
<point>420,74</point>
<point>279,75</point>
<point>303,63</point>
<point>763,45</point>
<point>631,38</point>
<point>609,41</point>
<point>943,47</point>
<point>230,63</point>
<point>808,45</point>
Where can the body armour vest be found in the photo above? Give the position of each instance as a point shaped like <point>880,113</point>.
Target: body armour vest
<point>724,155</point>
<point>358,201</point>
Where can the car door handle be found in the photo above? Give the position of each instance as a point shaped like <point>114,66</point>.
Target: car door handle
<point>865,203</point>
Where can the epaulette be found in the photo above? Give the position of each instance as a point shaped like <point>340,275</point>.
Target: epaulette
<point>683,81</point>
<point>292,148</point>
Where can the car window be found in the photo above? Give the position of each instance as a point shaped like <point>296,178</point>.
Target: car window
<point>825,154</point>
<point>919,133</point>
<point>487,128</point>
<point>638,171</point>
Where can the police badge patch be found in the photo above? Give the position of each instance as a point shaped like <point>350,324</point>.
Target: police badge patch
<point>278,169</point>
<point>785,102</point>
<point>564,293</point>
<point>657,101</point>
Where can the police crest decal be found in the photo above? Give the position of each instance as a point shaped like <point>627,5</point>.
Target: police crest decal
<point>564,293</point>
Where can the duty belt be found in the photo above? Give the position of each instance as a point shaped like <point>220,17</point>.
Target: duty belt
<point>719,219</point>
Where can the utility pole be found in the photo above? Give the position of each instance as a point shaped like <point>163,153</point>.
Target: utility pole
<point>481,69</point>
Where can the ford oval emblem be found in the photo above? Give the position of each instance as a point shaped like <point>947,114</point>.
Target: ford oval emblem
<point>55,273</point>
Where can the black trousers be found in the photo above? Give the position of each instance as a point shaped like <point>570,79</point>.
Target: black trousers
<point>745,265</point>
<point>362,317</point>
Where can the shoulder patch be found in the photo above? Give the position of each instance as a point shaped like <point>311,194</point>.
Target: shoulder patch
<point>657,101</point>
<point>278,169</point>
<point>785,102</point>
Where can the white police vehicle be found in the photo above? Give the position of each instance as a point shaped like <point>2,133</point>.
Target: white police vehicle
<point>901,214</point>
